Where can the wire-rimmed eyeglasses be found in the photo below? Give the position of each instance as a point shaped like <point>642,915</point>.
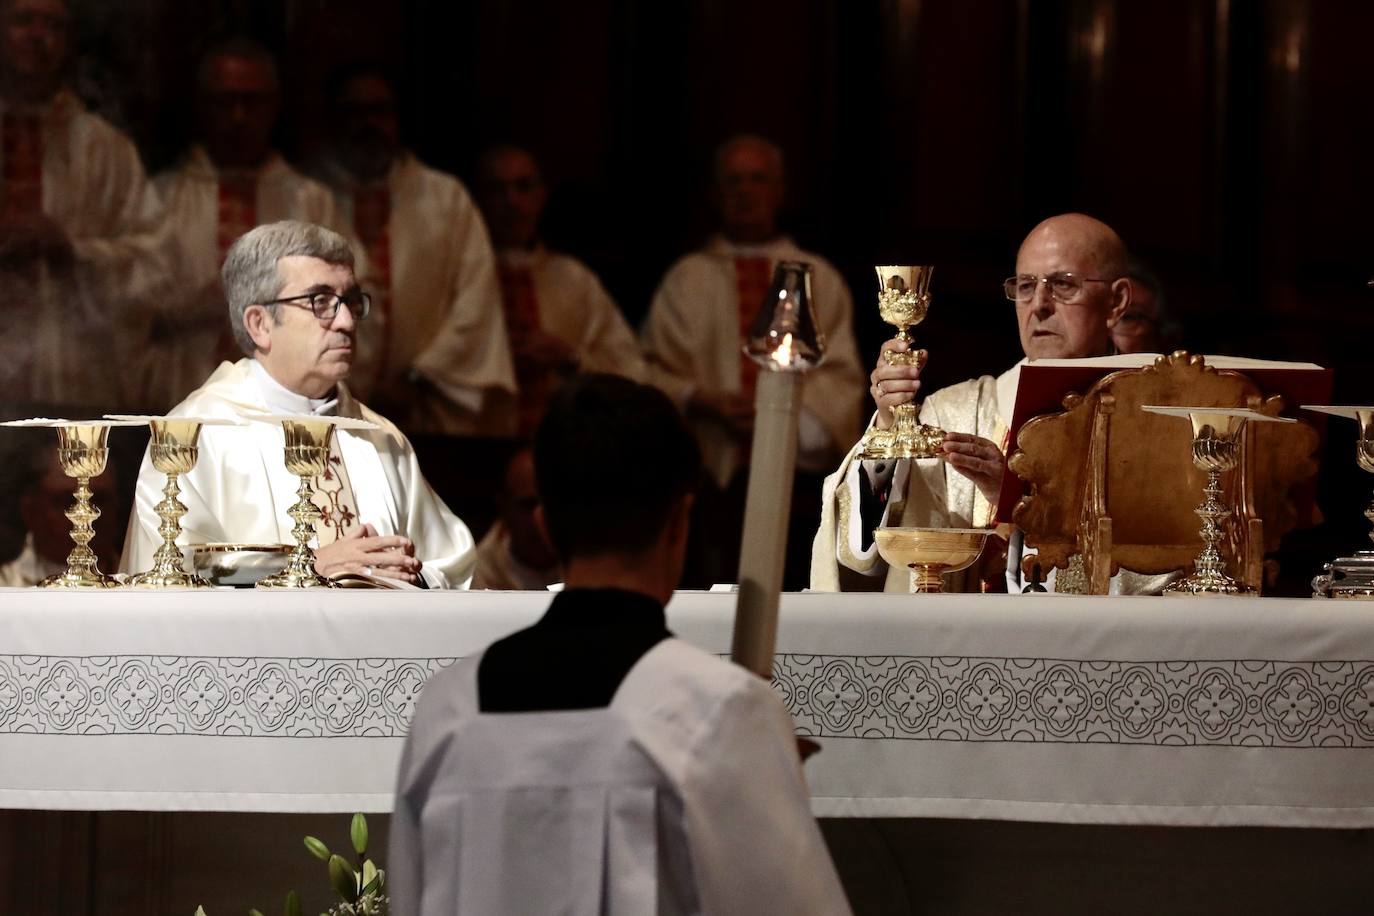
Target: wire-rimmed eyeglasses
<point>1064,287</point>
<point>325,305</point>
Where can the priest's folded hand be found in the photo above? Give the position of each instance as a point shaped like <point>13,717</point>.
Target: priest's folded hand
<point>362,550</point>
<point>978,459</point>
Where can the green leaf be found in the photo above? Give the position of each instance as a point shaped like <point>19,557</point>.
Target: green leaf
<point>344,879</point>
<point>253,912</point>
<point>369,875</point>
<point>293,904</point>
<point>200,911</point>
<point>317,849</point>
<point>358,833</point>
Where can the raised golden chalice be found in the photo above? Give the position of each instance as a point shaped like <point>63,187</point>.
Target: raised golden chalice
<point>903,300</point>
<point>174,452</point>
<point>83,451</point>
<point>930,552</point>
<point>307,456</point>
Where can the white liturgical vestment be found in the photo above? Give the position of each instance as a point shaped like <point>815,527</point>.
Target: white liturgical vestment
<point>684,796</point>
<point>436,303</point>
<point>186,336</point>
<point>692,341</point>
<point>66,337</point>
<point>925,493</point>
<point>240,490</point>
<point>574,307</point>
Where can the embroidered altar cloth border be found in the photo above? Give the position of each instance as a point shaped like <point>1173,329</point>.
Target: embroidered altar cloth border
<point>1046,708</point>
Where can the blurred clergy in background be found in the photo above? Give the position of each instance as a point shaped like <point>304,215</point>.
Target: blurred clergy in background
<point>294,306</point>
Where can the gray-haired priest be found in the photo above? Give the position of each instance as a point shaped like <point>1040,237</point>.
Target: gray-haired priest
<point>295,305</point>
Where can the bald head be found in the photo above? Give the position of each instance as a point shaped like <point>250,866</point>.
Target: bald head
<point>1072,316</point>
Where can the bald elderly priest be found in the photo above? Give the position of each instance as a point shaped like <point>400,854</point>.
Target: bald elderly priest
<point>294,306</point>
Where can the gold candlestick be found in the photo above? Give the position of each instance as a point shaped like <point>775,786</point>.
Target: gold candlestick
<point>307,455</point>
<point>173,450</point>
<point>903,300</point>
<point>83,452</point>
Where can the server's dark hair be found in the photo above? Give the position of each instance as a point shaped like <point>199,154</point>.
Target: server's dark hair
<point>611,458</point>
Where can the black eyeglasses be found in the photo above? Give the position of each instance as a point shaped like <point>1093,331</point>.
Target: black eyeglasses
<point>1064,287</point>
<point>326,305</point>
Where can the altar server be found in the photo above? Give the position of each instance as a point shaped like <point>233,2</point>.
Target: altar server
<point>228,182</point>
<point>80,226</point>
<point>593,763</point>
<point>294,305</point>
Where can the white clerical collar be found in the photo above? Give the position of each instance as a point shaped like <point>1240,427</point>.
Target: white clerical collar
<point>280,399</point>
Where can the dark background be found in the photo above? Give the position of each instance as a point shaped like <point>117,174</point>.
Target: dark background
<point>1227,140</point>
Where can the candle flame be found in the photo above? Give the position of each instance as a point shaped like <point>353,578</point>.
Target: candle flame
<point>783,354</point>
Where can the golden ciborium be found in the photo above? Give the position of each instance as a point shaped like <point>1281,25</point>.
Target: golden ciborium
<point>1352,576</point>
<point>307,456</point>
<point>173,451</point>
<point>83,452</point>
<point>903,300</point>
<point>930,552</point>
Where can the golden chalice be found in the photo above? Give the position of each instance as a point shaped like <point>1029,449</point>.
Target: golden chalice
<point>903,300</point>
<point>1352,576</point>
<point>174,452</point>
<point>307,456</point>
<point>1216,450</point>
<point>930,552</point>
<point>82,451</point>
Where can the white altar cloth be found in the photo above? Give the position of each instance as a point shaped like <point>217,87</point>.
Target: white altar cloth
<point>1045,708</point>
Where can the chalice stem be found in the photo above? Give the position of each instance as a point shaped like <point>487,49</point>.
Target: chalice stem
<point>926,580</point>
<point>170,511</point>
<point>82,515</point>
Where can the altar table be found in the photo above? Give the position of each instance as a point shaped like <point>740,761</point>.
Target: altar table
<point>1136,711</point>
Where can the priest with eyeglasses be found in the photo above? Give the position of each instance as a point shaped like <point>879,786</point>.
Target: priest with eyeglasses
<point>294,308</point>
<point>1070,290</point>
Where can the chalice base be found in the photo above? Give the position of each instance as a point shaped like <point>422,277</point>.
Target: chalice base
<point>80,578</point>
<point>299,573</point>
<point>904,439</point>
<point>1201,585</point>
<point>156,578</point>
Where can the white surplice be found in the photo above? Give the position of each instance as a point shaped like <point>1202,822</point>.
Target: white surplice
<point>183,353</point>
<point>684,796</point>
<point>444,321</point>
<point>240,490</point>
<point>575,308</point>
<point>69,337</point>
<point>691,339</point>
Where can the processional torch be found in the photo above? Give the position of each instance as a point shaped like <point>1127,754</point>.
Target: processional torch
<point>785,341</point>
